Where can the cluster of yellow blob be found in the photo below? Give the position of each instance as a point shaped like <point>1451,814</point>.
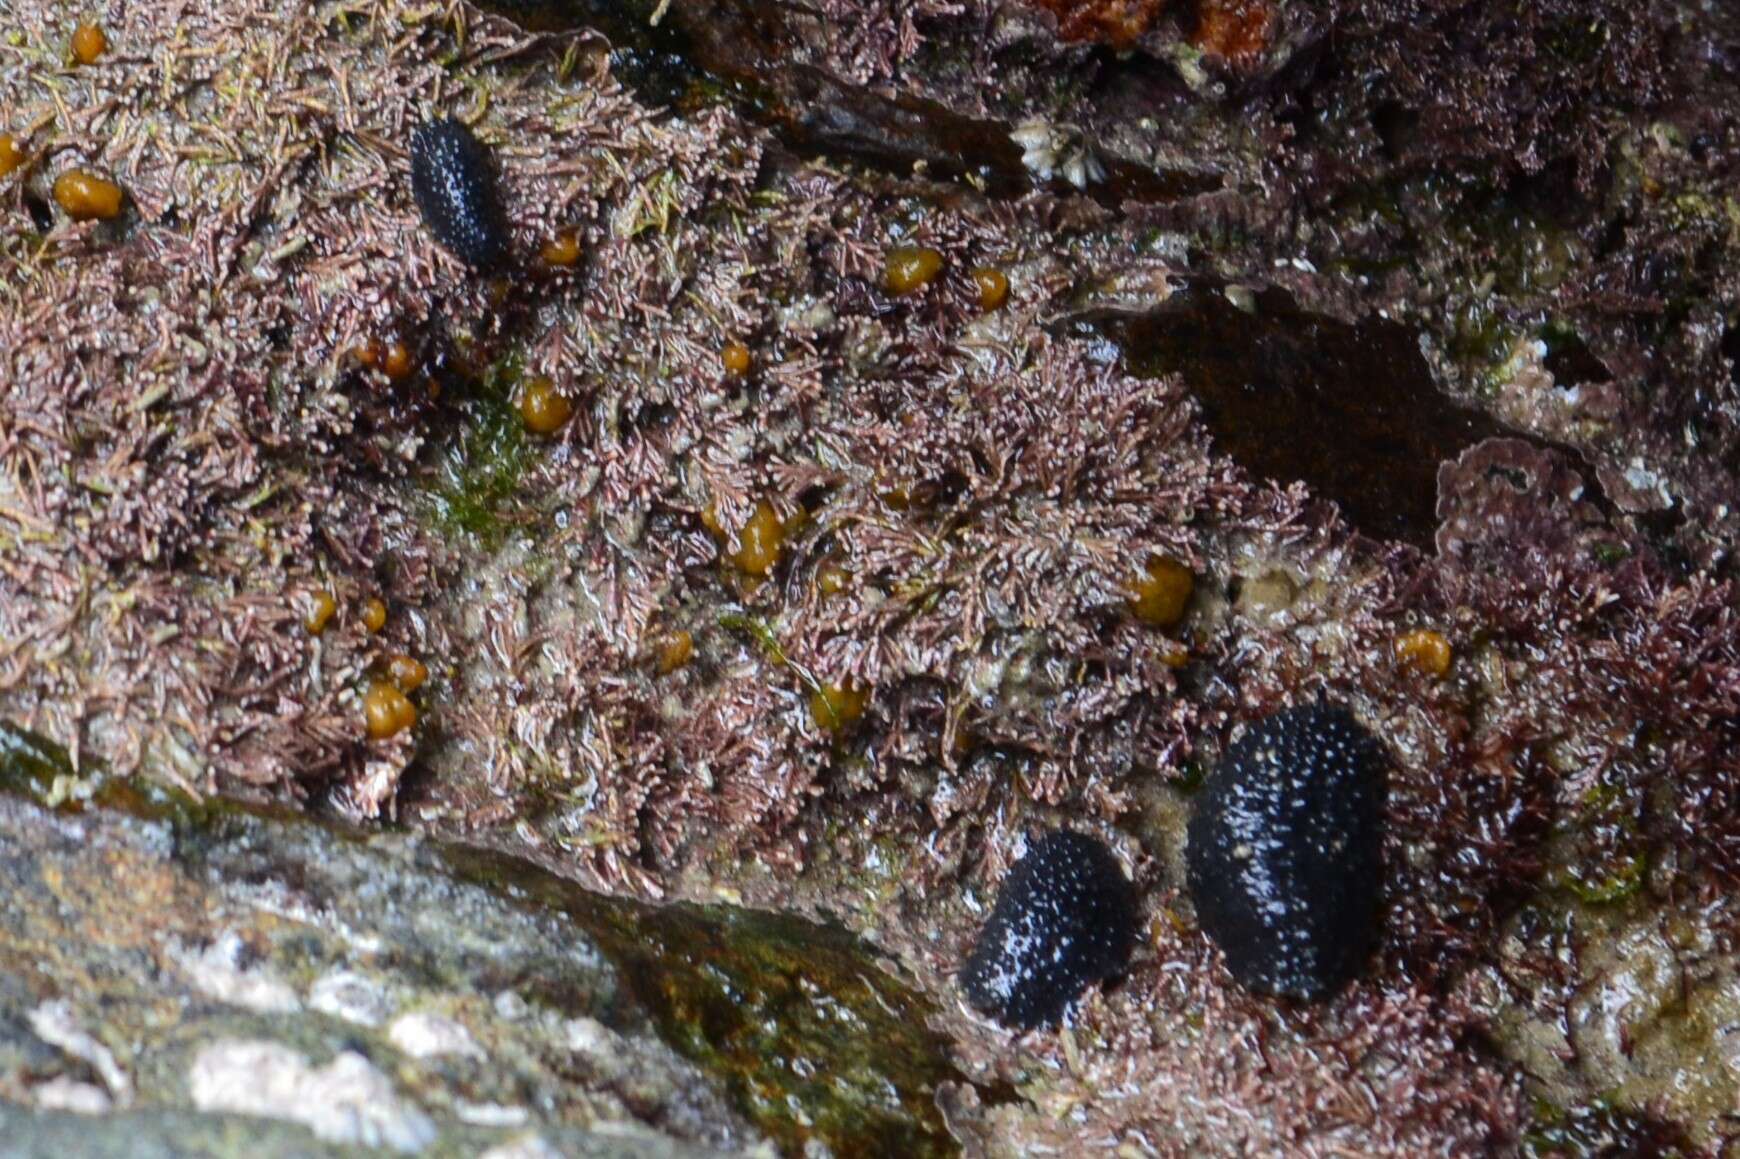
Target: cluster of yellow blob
<point>387,707</point>
<point>89,43</point>
<point>87,197</point>
<point>759,546</point>
<point>387,711</point>
<point>1160,596</point>
<point>907,269</point>
<point>836,708</point>
<point>562,251</point>
<point>321,607</point>
<point>910,268</point>
<point>735,358</point>
<point>675,651</point>
<point>374,614</point>
<point>393,358</point>
<point>11,155</point>
<point>81,194</point>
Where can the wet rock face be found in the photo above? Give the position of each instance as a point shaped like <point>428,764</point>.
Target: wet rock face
<point>1065,918</point>
<point>167,967</point>
<point>1284,852</point>
<point>453,180</point>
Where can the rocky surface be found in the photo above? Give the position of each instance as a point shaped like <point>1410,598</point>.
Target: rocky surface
<point>185,980</point>
<point>1407,326</point>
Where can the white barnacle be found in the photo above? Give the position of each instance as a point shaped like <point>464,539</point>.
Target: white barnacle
<point>1051,150</point>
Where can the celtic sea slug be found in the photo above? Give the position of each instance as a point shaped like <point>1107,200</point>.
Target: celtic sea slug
<point>453,180</point>
<point>1065,918</point>
<point>1284,857</point>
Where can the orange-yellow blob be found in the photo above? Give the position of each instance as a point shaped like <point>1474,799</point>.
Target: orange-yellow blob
<point>87,197</point>
<point>1160,597</point>
<point>89,42</point>
<point>374,614</point>
<point>910,268</point>
<point>407,672</point>
<point>387,711</point>
<point>832,579</point>
<point>11,154</point>
<point>735,358</point>
<point>397,362</point>
<point>675,651</point>
<point>761,542</point>
<point>321,606</point>
<point>837,707</point>
<point>1425,651</point>
<point>561,251</point>
<point>367,353</point>
<point>543,408</point>
<point>993,287</point>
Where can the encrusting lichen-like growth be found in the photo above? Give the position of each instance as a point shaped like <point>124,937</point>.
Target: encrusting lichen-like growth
<point>945,500</point>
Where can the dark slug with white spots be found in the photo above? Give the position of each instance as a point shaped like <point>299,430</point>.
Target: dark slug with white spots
<point>1065,918</point>
<point>1285,859</point>
<point>453,179</point>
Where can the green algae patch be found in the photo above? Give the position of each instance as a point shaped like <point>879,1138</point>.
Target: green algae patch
<point>1598,1128</point>
<point>33,766</point>
<point>477,471</point>
<point>812,1039</point>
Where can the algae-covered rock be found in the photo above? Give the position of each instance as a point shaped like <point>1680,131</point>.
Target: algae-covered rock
<point>178,976</point>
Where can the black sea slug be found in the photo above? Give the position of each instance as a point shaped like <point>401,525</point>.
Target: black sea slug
<point>453,179</point>
<point>1285,859</point>
<point>1065,918</point>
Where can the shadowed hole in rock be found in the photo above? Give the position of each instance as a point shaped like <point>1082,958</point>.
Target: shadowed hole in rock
<point>1348,409</point>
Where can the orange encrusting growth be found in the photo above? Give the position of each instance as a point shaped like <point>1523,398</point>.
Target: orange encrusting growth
<point>735,358</point>
<point>1237,31</point>
<point>1119,23</point>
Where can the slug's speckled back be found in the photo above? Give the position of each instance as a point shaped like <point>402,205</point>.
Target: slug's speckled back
<point>453,180</point>
<point>1065,917</point>
<point>1285,855</point>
